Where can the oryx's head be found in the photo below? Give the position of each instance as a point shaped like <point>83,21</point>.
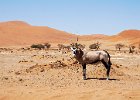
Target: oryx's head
<point>74,50</point>
<point>77,52</point>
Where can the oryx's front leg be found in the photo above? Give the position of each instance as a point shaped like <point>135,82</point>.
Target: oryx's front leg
<point>84,71</point>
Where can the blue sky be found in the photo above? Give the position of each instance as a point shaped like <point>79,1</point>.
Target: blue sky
<point>75,16</point>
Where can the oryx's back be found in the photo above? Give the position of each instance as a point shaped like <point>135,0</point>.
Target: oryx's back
<point>94,56</point>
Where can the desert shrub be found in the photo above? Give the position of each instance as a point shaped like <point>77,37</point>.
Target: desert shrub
<point>81,46</point>
<point>47,45</point>
<point>119,46</point>
<point>131,48</point>
<point>38,46</point>
<point>95,46</point>
<point>78,45</point>
<point>60,46</point>
<point>64,48</point>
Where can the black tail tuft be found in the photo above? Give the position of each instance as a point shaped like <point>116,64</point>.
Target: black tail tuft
<point>109,57</point>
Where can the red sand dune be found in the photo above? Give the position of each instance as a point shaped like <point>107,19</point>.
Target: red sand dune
<point>92,37</point>
<point>131,36</point>
<point>22,33</point>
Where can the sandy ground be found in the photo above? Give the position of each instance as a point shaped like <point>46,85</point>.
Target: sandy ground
<point>52,75</point>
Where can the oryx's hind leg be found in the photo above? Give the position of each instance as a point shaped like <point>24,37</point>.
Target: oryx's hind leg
<point>108,71</point>
<point>107,66</point>
<point>84,71</point>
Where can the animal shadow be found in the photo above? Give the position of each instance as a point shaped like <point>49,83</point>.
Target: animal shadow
<point>102,79</point>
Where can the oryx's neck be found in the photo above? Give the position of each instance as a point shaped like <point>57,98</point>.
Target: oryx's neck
<point>80,56</point>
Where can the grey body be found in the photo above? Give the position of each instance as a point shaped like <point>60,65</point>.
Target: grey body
<point>91,57</point>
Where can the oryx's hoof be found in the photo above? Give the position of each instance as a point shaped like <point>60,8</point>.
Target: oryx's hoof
<point>84,78</point>
<point>107,78</point>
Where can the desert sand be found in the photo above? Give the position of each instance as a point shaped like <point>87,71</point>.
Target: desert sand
<point>51,74</point>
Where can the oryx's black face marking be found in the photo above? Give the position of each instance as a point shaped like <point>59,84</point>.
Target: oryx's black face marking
<point>77,52</point>
<point>74,50</point>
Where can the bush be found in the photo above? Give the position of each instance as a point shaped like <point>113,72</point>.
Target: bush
<point>60,46</point>
<point>47,45</point>
<point>38,46</point>
<point>81,46</point>
<point>41,46</point>
<point>131,48</point>
<point>78,45</point>
<point>119,46</point>
<point>95,46</point>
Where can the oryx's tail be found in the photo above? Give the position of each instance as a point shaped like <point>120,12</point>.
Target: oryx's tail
<point>108,57</point>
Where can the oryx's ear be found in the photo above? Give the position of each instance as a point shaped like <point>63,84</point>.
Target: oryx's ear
<point>79,48</point>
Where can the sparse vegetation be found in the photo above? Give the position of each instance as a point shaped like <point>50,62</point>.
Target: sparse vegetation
<point>95,46</point>
<point>61,46</point>
<point>41,46</point>
<point>119,46</point>
<point>131,48</point>
<point>47,45</point>
<point>38,46</point>
<point>78,45</point>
